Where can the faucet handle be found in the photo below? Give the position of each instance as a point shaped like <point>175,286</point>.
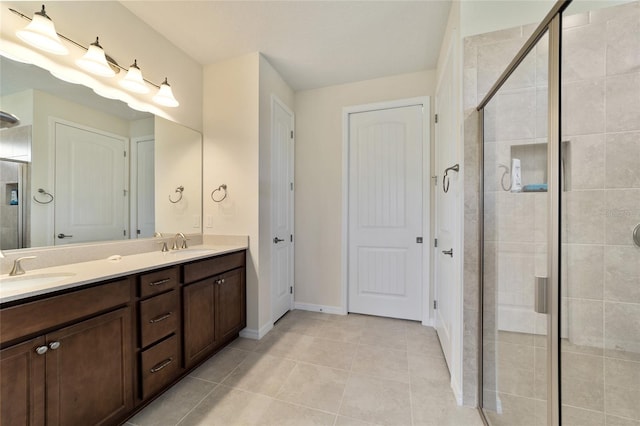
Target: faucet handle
<point>17,267</point>
<point>184,244</point>
<point>164,246</point>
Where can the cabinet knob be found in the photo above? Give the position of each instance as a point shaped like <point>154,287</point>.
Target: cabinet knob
<point>41,350</point>
<point>222,281</point>
<point>54,345</point>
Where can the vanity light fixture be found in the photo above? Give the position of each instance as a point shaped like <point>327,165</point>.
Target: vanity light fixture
<point>95,61</point>
<point>133,80</point>
<point>165,95</point>
<point>41,33</point>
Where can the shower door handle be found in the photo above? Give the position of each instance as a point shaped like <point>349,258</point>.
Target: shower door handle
<point>541,295</point>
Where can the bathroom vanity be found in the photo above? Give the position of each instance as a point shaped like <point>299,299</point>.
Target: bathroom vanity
<point>96,347</point>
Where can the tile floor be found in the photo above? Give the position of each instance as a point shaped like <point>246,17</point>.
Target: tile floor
<point>319,369</point>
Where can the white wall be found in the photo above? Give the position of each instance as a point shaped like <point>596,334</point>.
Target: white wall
<point>178,153</point>
<point>270,83</point>
<point>483,16</point>
<point>125,38</point>
<point>231,135</point>
<point>318,177</point>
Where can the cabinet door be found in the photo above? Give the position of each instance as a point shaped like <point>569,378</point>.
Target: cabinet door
<point>230,312</point>
<point>89,371</point>
<point>22,384</point>
<point>199,320</point>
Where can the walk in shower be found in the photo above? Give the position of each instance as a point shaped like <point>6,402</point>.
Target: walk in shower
<point>560,135</point>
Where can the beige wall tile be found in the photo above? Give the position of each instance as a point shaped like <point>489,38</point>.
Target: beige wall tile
<point>584,217</point>
<point>586,323</point>
<point>583,107</point>
<point>623,157</point>
<point>572,416</point>
<point>587,164</point>
<point>583,52</point>
<point>582,381</point>
<point>623,39</point>
<point>622,274</point>
<point>622,326</point>
<point>623,102</point>
<point>583,270</point>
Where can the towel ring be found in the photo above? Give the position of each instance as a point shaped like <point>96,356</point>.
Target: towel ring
<point>445,181</point>
<point>179,191</point>
<point>221,188</point>
<point>46,194</point>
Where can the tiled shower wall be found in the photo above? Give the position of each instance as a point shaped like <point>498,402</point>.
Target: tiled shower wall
<point>601,122</point>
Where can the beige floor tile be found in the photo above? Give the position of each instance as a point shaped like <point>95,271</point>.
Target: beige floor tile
<point>382,401</point>
<point>244,344</point>
<point>385,363</point>
<point>174,404</point>
<point>315,386</point>
<point>330,353</point>
<point>301,324</point>
<point>348,421</point>
<point>220,366</point>
<point>431,368</point>
<point>261,373</point>
<point>341,331</point>
<point>280,413</point>
<point>286,345</point>
<point>226,407</point>
<point>384,336</point>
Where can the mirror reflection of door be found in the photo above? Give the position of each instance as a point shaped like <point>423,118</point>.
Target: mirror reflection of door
<point>143,183</point>
<point>91,194</point>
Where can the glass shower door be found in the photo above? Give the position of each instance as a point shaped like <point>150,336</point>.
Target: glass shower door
<point>515,244</point>
<point>600,283</point>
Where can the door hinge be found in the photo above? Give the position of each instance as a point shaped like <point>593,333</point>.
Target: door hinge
<point>124,232</point>
<point>291,290</point>
<point>291,237</point>
<point>435,304</point>
<point>125,154</point>
<point>436,118</point>
<point>124,192</point>
<point>435,180</point>
<point>291,185</point>
<point>138,231</point>
<point>419,240</point>
<point>435,242</point>
<point>292,134</point>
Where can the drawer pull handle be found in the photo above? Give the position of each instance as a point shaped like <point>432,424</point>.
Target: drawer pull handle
<point>160,318</point>
<point>155,283</point>
<point>161,365</point>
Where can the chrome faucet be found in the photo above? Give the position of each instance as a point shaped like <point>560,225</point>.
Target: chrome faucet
<point>175,242</point>
<point>17,266</point>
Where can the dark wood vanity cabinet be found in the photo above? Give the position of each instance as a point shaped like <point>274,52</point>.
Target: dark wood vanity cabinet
<point>70,374</point>
<point>214,307</point>
<point>96,355</point>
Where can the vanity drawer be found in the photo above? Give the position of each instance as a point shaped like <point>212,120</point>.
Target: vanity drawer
<point>158,317</point>
<point>157,282</point>
<point>199,270</point>
<point>159,366</point>
<point>38,316</point>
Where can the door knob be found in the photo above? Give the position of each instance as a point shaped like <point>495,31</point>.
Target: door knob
<point>276,240</point>
<point>64,236</point>
<point>448,252</point>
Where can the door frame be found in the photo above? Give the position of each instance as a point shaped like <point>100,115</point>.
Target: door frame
<point>425,102</point>
<point>276,101</point>
<point>133,182</point>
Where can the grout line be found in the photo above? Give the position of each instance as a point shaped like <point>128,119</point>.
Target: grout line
<point>197,404</point>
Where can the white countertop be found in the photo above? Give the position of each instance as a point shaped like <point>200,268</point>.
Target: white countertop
<point>34,282</point>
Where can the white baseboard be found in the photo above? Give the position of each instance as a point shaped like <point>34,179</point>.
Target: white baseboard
<point>336,310</point>
<point>250,333</point>
<point>457,391</point>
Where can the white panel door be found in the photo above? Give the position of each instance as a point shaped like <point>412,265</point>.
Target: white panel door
<point>281,209</point>
<point>145,187</point>
<point>386,212</point>
<point>447,223</point>
<point>89,186</point>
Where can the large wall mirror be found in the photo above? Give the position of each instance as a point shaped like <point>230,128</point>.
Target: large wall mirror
<point>78,168</point>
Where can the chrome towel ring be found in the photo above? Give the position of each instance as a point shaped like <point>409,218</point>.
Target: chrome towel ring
<point>445,181</point>
<point>46,194</point>
<point>222,188</point>
<point>179,191</point>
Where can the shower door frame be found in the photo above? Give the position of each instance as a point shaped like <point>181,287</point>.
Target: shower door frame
<point>551,25</point>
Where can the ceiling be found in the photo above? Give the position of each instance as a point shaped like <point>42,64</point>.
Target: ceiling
<point>311,43</point>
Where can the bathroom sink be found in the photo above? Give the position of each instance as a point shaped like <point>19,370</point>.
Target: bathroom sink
<point>33,280</point>
<point>191,252</point>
